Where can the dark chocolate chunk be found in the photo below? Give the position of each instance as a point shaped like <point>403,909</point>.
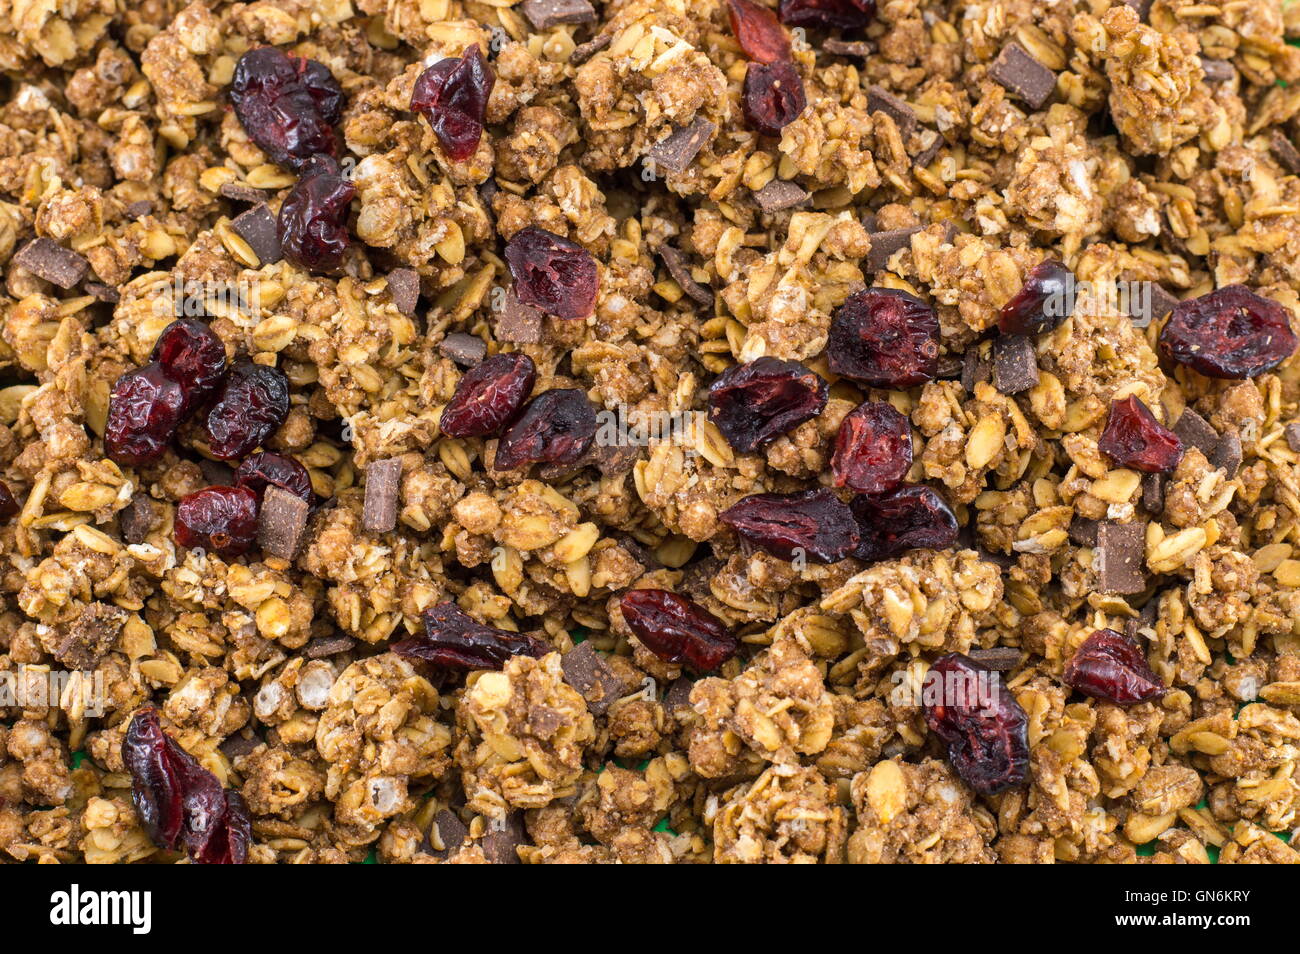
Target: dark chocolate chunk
<point>242,193</point>
<point>404,287</point>
<point>1153,493</point>
<point>1227,453</point>
<point>383,480</point>
<point>634,548</point>
<point>1120,557</point>
<point>446,835</point>
<point>1144,309</point>
<point>1083,532</point>
<point>930,151</point>
<point>950,367</point>
<point>585,51</point>
<point>323,646</point>
<point>1001,658</point>
<point>885,244</point>
<point>464,349</point>
<point>1292,435</point>
<point>544,14</point>
<point>258,228</point>
<point>975,368</point>
<point>882,101</point>
<point>680,269</point>
<point>681,147</point>
<point>1195,431</point>
<point>1216,71</point>
<point>139,209</point>
<point>217,472</point>
<point>517,322</point>
<point>858,48</point>
<point>1285,151</point>
<point>281,522</point>
<point>678,694</point>
<point>586,670</point>
<point>47,259</point>
<point>137,518</point>
<point>238,746</point>
<point>779,195</point>
<point>613,460</point>
<point>101,292</point>
<point>91,635</point>
<point>1023,76</point>
<point>502,838</point>
<point>1015,364</point>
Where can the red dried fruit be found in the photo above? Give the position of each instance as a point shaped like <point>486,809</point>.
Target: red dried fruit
<point>552,273</point>
<point>144,410</point>
<point>191,354</point>
<point>980,721</point>
<point>557,427</point>
<point>8,506</point>
<point>773,97</point>
<point>910,517</point>
<point>179,802</point>
<point>758,31</point>
<point>287,105</point>
<point>1229,333</point>
<point>1044,301</point>
<point>814,525</point>
<point>267,469</point>
<point>489,396</point>
<point>220,519</point>
<point>1111,666</point>
<point>1134,438</point>
<point>841,14</point>
<point>251,403</point>
<point>753,404</point>
<point>873,449</point>
<point>884,338</point>
<point>454,640</point>
<point>313,222</point>
<point>678,630</point>
<point>452,95</point>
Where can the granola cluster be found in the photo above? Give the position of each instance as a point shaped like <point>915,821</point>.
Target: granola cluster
<point>943,151</point>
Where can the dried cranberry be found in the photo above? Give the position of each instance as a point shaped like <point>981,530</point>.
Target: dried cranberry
<point>678,630</point>
<point>287,105</point>
<point>1134,438</point>
<point>814,524</point>
<point>192,355</point>
<point>552,273</point>
<point>884,338</point>
<point>251,403</point>
<point>144,410</point>
<point>454,640</point>
<point>452,95</point>
<point>313,221</point>
<point>220,519</point>
<point>1111,666</point>
<point>984,727</point>
<point>557,427</point>
<point>758,31</point>
<point>873,449</point>
<point>753,404</point>
<point>266,469</point>
<point>1044,301</point>
<point>489,396</point>
<point>773,97</point>
<point>1228,333</point>
<point>909,517</point>
<point>8,506</point>
<point>180,802</point>
<point>841,14</point>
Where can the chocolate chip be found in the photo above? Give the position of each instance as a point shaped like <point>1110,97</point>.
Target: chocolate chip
<point>1015,364</point>
<point>882,101</point>
<point>931,150</point>
<point>383,480</point>
<point>404,287</point>
<point>324,646</point>
<point>950,367</point>
<point>1195,431</point>
<point>634,548</point>
<point>137,518</point>
<point>1286,152</point>
<point>217,472</point>
<point>1000,658</point>
<point>101,292</point>
<point>1083,532</point>
<point>858,48</point>
<point>259,229</point>
<point>517,322</point>
<point>1153,493</point>
<point>502,838</point>
<point>1023,76</point>
<point>242,193</point>
<point>1144,309</point>
<point>679,694</point>
<point>139,209</point>
<point>281,523</point>
<point>49,260</point>
<point>544,14</point>
<point>678,267</point>
<point>239,746</point>
<point>885,244</point>
<point>585,51</point>
<point>92,634</point>
<point>1227,453</point>
<point>779,195</point>
<point>975,369</point>
<point>586,670</point>
<point>466,350</point>
<point>1120,555</point>
<point>613,460</point>
<point>1292,435</point>
<point>1216,71</point>
<point>681,147</point>
<point>446,834</point>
